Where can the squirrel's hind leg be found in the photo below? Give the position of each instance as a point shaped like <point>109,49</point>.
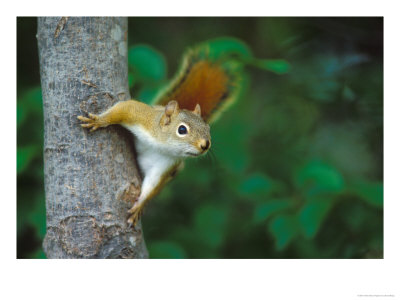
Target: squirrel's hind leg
<point>135,212</point>
<point>149,189</point>
<point>152,183</point>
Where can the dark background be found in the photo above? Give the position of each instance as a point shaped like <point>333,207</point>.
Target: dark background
<point>296,169</point>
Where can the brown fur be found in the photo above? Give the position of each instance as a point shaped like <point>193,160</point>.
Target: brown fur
<point>125,113</point>
<point>204,84</point>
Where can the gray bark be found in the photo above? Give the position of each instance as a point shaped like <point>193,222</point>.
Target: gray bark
<point>91,179</point>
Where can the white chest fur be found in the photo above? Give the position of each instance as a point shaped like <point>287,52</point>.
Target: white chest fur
<point>151,153</point>
<point>152,160</point>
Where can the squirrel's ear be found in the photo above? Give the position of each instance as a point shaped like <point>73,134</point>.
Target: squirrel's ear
<point>197,110</point>
<point>172,108</point>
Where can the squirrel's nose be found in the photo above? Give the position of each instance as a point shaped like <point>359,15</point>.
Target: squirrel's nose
<point>205,144</point>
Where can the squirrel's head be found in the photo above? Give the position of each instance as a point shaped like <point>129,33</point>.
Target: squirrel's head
<point>186,132</point>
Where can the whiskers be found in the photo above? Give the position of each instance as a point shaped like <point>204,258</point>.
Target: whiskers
<point>210,158</point>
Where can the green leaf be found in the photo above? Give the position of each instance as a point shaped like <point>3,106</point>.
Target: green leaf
<point>312,215</point>
<point>370,192</point>
<point>35,99</point>
<point>25,156</point>
<point>30,103</point>
<point>255,185</point>
<point>316,177</point>
<point>227,46</point>
<point>148,93</point>
<point>220,47</point>
<point>163,249</point>
<point>284,229</point>
<point>265,210</point>
<point>210,223</point>
<point>147,64</point>
<point>277,66</point>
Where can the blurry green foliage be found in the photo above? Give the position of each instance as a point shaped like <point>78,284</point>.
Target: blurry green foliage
<point>221,47</point>
<point>167,250</point>
<point>284,228</point>
<point>312,214</point>
<point>31,214</point>
<point>278,66</point>
<point>318,177</point>
<point>256,184</point>
<point>371,192</point>
<point>210,223</point>
<point>296,165</point>
<point>268,208</point>
<point>148,69</point>
<point>146,64</point>
<point>287,156</point>
<point>25,155</point>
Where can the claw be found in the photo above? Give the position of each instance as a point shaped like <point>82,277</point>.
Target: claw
<point>84,119</point>
<point>93,117</point>
<point>91,122</point>
<point>134,206</point>
<point>135,213</point>
<point>132,221</point>
<point>129,224</point>
<point>132,209</point>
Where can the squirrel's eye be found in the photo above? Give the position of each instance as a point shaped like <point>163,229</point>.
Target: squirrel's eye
<point>182,130</point>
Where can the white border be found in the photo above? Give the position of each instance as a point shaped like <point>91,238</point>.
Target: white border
<point>200,279</point>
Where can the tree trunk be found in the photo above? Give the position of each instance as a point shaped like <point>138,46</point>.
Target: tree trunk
<point>91,179</point>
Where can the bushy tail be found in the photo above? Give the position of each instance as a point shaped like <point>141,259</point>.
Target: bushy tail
<point>209,76</point>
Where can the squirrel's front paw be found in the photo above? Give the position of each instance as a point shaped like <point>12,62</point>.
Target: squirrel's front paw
<point>93,122</point>
<point>135,212</point>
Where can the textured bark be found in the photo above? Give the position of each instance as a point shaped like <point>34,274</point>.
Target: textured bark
<point>91,179</point>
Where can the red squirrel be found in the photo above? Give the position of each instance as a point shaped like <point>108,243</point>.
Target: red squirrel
<point>176,126</point>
